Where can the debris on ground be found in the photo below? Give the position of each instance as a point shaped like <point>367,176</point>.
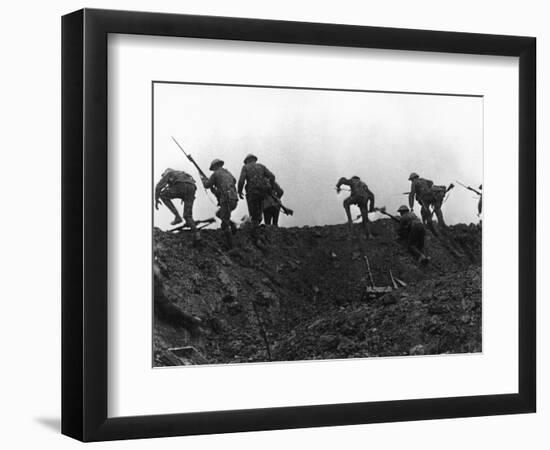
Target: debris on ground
<point>305,295</point>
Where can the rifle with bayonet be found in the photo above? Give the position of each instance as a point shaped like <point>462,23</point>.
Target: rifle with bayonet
<point>382,210</point>
<point>201,224</point>
<point>470,188</point>
<point>201,173</point>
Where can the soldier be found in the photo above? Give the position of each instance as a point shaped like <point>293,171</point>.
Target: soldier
<point>270,206</point>
<point>427,195</point>
<point>360,196</point>
<point>177,184</point>
<point>259,181</point>
<point>222,184</point>
<point>411,230</point>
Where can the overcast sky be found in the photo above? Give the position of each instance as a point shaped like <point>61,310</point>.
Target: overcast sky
<point>311,138</point>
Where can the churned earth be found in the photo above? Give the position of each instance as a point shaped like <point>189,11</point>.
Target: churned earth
<point>302,294</point>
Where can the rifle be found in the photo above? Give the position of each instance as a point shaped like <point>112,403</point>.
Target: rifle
<point>470,188</point>
<point>204,223</point>
<point>284,209</point>
<point>383,211</point>
<point>201,173</point>
<point>190,158</point>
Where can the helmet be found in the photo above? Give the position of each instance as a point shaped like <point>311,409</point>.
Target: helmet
<point>403,209</point>
<point>355,177</point>
<point>167,171</point>
<point>249,157</point>
<point>480,186</point>
<point>216,162</point>
<point>413,175</point>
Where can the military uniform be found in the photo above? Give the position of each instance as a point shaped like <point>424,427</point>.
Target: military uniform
<point>177,184</point>
<point>259,181</point>
<point>412,231</point>
<point>222,182</point>
<point>428,196</point>
<point>360,196</point>
<point>271,208</point>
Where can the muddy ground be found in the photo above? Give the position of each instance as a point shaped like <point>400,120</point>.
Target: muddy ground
<point>303,295</point>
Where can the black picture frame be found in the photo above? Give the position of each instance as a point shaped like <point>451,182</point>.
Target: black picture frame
<point>84,224</point>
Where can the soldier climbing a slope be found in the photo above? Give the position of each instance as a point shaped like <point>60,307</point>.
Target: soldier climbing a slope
<point>411,231</point>
<point>222,184</point>
<point>360,196</point>
<point>258,181</point>
<point>429,197</point>
<point>177,184</point>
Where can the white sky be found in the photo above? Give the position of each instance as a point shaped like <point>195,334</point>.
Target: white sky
<point>310,138</point>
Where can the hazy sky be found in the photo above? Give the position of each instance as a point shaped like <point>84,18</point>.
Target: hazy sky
<point>310,138</point>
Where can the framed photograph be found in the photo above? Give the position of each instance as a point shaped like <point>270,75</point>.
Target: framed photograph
<point>273,224</point>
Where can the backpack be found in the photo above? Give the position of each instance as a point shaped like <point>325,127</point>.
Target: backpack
<point>257,182</point>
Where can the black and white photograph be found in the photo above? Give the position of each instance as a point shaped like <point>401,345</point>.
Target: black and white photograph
<point>296,223</point>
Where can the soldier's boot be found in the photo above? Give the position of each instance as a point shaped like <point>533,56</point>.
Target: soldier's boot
<point>348,214</point>
<point>177,220</point>
<point>173,210</point>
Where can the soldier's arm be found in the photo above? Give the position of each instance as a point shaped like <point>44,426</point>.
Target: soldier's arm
<point>411,196</point>
<point>371,200</point>
<point>278,190</point>
<point>242,179</point>
<point>208,183</point>
<point>163,182</point>
<point>342,181</point>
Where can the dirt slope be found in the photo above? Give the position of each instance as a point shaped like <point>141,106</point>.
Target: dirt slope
<point>302,295</point>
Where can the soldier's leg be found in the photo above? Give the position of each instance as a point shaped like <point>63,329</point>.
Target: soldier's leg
<point>275,218</point>
<point>439,214</point>
<point>347,204</point>
<point>268,215</point>
<point>231,206</point>
<point>416,242</point>
<point>166,196</point>
<point>188,201</point>
<point>224,214</point>
<point>366,223</point>
<point>255,208</point>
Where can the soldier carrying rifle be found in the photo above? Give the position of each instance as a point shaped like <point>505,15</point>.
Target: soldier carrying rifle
<point>410,230</point>
<point>429,196</point>
<point>259,181</point>
<point>360,196</point>
<point>222,183</point>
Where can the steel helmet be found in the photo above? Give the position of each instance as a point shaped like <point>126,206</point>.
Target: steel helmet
<point>355,177</point>
<point>249,157</point>
<point>167,171</point>
<point>216,162</point>
<point>403,209</point>
<point>413,175</point>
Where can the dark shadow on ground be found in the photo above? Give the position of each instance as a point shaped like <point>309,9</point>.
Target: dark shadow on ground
<point>53,423</point>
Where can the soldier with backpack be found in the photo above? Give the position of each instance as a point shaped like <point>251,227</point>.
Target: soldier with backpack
<point>360,196</point>
<point>428,196</point>
<point>222,184</point>
<point>258,181</point>
<point>177,184</point>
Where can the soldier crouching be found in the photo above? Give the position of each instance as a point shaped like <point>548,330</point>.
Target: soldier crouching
<point>177,184</point>
<point>412,231</point>
<point>360,196</point>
